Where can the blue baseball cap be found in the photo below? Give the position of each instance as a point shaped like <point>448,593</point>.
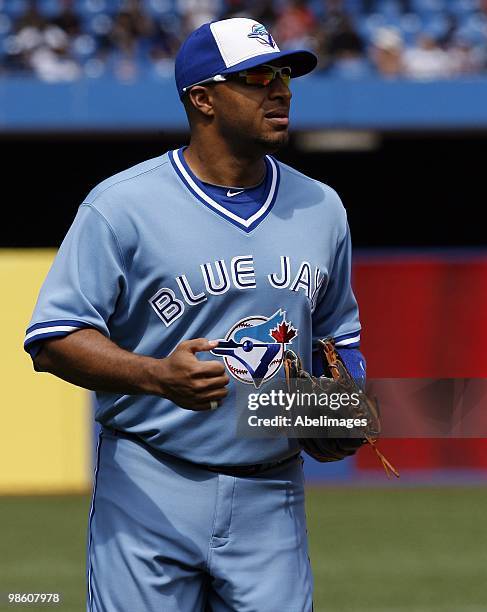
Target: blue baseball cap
<point>231,45</point>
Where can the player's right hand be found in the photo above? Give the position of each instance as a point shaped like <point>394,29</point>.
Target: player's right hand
<point>188,381</point>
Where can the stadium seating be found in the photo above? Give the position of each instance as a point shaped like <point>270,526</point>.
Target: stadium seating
<point>353,38</point>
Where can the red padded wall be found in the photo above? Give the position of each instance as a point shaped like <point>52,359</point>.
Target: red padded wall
<point>424,316</point>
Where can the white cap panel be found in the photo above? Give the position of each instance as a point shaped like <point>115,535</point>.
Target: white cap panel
<point>239,39</point>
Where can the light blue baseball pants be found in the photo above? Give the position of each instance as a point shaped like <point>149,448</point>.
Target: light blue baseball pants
<point>168,536</point>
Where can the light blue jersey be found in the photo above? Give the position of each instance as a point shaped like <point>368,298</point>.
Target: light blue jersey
<point>153,259</point>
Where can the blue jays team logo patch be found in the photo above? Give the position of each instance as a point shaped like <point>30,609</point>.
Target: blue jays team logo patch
<point>254,348</point>
<point>262,35</point>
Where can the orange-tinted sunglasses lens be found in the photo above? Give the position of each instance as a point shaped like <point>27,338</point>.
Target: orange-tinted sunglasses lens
<point>264,77</point>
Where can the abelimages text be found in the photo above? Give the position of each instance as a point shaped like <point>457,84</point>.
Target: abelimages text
<point>304,421</point>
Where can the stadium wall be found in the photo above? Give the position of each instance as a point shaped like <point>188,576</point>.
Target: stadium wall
<point>424,316</point>
<point>46,423</point>
<point>152,104</point>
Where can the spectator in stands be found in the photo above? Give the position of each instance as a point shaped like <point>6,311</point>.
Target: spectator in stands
<point>65,46</point>
<point>235,8</point>
<point>68,19</point>
<point>51,60</point>
<point>296,25</point>
<point>29,35</point>
<point>386,52</point>
<point>195,13</point>
<point>131,26</point>
<point>31,18</point>
<point>464,57</point>
<point>427,60</point>
<point>164,46</point>
<point>333,21</point>
<point>335,17</point>
<point>131,32</point>
<point>16,59</point>
<point>264,12</point>
<point>370,6</point>
<point>346,51</point>
<point>42,48</point>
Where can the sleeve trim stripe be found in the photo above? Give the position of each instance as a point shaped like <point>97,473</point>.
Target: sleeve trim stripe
<point>55,323</point>
<point>59,329</point>
<point>354,334</point>
<point>33,346</point>
<point>347,341</point>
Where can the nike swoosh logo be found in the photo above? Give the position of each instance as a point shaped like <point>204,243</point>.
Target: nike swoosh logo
<point>230,194</point>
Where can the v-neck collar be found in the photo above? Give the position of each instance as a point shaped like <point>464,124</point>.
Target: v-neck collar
<point>197,189</point>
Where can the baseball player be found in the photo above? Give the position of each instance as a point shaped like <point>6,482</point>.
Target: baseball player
<point>174,294</point>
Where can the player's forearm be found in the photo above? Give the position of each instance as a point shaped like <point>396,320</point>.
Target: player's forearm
<point>88,359</point>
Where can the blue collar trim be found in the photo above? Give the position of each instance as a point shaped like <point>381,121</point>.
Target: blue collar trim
<point>184,173</point>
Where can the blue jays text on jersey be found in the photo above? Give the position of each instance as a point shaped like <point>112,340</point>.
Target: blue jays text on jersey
<point>218,277</point>
<point>154,258</point>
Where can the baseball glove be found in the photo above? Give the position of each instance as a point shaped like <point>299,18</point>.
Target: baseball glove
<point>337,380</point>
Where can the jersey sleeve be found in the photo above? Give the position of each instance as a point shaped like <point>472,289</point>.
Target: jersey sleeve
<point>83,285</point>
<point>336,312</point>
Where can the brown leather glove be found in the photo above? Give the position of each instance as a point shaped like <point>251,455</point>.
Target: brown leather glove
<point>336,380</point>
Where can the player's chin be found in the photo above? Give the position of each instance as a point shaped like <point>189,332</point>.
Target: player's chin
<point>275,140</point>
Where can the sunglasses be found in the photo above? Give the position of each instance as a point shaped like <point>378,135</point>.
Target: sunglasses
<point>259,76</point>
<point>262,76</point>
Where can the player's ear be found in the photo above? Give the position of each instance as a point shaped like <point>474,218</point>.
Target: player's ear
<point>202,100</point>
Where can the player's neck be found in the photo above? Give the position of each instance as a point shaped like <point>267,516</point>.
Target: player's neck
<point>222,166</point>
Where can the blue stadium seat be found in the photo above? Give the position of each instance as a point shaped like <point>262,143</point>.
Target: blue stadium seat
<point>427,7</point>
<point>5,25</point>
<point>354,7</point>
<point>463,7</point>
<point>436,26</point>
<point>49,8</point>
<point>390,9</point>
<point>84,47</point>
<point>473,27</point>
<point>370,24</point>
<point>14,8</point>
<point>411,25</point>
<point>159,7</point>
<point>92,7</point>
<point>99,25</point>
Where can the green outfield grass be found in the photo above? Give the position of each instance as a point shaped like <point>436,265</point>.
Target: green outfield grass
<point>398,550</point>
<point>373,550</point>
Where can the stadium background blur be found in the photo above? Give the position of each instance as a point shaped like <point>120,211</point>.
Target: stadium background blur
<point>395,119</point>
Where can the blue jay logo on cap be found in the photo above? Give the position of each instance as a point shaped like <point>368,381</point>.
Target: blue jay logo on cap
<point>262,35</point>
